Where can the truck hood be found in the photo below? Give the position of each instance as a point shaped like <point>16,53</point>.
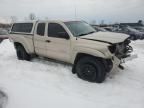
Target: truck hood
<point>106,37</point>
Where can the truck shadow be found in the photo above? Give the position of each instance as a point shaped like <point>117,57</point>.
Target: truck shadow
<point>49,61</point>
<point>54,63</point>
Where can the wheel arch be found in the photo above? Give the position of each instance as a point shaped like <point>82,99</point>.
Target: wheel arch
<point>108,64</point>
<point>20,44</point>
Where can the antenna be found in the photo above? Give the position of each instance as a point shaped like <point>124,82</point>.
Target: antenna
<point>75,11</point>
<point>75,14</point>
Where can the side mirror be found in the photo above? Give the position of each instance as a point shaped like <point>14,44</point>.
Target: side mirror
<point>63,35</point>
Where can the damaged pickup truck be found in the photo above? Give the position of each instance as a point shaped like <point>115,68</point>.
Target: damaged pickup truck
<point>92,54</point>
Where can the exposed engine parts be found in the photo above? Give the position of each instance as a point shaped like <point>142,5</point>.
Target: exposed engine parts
<point>121,50</point>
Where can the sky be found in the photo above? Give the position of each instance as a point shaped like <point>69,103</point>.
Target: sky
<point>110,11</point>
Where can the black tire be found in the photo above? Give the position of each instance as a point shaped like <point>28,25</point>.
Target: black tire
<point>22,54</point>
<point>90,69</point>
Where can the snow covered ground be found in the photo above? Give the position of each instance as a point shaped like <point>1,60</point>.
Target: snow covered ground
<point>47,84</point>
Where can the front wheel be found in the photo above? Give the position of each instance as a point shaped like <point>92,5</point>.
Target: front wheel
<point>22,54</point>
<point>90,69</point>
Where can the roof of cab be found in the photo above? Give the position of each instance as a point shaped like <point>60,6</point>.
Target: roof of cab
<point>34,21</point>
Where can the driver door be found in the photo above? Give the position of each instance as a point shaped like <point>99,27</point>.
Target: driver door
<point>58,46</point>
<point>39,39</point>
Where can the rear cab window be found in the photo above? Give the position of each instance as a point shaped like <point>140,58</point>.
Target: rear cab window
<point>41,29</point>
<point>22,28</point>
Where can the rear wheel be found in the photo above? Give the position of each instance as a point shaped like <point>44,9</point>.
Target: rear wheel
<point>22,54</point>
<point>90,69</point>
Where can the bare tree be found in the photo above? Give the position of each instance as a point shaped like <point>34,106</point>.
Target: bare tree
<point>32,16</point>
<point>46,18</point>
<point>25,18</point>
<point>13,19</point>
<point>102,22</point>
<point>93,22</point>
<point>141,22</point>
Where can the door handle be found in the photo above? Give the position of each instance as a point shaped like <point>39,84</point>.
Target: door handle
<point>48,41</point>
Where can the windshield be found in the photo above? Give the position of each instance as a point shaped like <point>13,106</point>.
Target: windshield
<point>79,28</point>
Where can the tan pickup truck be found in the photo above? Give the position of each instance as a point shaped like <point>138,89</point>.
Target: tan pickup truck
<point>93,54</point>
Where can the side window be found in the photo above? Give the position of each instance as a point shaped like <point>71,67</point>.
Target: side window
<point>41,29</point>
<point>22,27</point>
<point>54,29</point>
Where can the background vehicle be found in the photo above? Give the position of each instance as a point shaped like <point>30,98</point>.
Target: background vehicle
<point>99,29</point>
<point>140,29</point>
<point>110,29</point>
<point>93,54</point>
<point>134,34</point>
<point>3,34</point>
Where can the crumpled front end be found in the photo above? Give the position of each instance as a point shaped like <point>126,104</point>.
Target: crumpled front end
<point>120,51</point>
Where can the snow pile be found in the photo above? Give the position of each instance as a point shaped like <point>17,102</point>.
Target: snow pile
<point>47,84</point>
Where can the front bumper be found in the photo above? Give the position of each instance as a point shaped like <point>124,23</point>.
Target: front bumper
<point>116,61</point>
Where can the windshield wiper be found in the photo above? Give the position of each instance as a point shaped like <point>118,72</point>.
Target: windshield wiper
<point>86,33</point>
